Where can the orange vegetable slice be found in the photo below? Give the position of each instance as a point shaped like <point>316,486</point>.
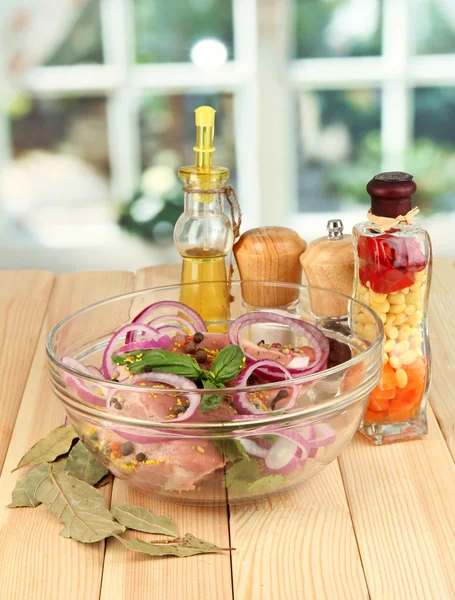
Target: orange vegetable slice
<point>375,415</point>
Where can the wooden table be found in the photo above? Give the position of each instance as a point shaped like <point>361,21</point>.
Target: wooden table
<point>378,523</point>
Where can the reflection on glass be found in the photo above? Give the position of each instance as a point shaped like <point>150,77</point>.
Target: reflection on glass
<point>431,158</point>
<point>326,28</point>
<point>167,31</point>
<point>75,126</point>
<point>339,147</point>
<point>83,43</point>
<point>434,26</point>
<point>167,140</point>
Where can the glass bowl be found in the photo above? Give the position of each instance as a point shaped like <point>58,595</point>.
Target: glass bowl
<point>220,456</point>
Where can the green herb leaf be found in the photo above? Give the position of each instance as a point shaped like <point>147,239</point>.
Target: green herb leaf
<point>141,519</point>
<point>24,492</point>
<point>210,402</point>
<point>162,361</point>
<point>266,484</point>
<point>231,449</point>
<point>228,363</point>
<point>79,506</point>
<point>189,546</point>
<point>247,471</point>
<point>56,443</point>
<point>83,465</point>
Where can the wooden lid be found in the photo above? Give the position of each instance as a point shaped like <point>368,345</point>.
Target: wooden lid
<point>391,194</point>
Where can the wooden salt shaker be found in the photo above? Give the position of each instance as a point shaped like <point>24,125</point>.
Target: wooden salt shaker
<point>329,263</point>
<point>269,254</point>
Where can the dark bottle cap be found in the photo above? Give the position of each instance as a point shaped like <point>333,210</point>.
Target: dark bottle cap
<point>391,194</point>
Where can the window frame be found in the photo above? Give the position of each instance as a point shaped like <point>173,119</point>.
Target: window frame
<point>264,82</point>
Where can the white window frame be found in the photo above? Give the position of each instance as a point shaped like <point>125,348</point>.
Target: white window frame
<point>263,81</point>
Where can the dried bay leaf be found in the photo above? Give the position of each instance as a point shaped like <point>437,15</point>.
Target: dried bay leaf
<point>78,505</point>
<point>83,465</point>
<point>141,519</point>
<point>188,547</point>
<point>24,492</point>
<point>56,443</point>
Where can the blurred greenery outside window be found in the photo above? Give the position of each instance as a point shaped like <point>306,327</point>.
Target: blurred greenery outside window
<point>338,131</point>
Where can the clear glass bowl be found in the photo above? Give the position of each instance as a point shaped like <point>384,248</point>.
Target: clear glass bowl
<point>201,460</point>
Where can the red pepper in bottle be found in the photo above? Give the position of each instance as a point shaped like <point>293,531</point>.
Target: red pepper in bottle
<point>393,269</point>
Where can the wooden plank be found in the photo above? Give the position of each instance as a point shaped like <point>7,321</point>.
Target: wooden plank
<point>402,504</point>
<point>35,562</point>
<point>298,545</point>
<point>24,296</point>
<point>127,574</point>
<point>442,336</point>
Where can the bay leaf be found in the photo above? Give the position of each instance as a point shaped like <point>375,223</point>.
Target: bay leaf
<point>189,547</point>
<point>56,443</point>
<point>141,519</point>
<point>24,492</point>
<point>83,465</point>
<point>78,505</point>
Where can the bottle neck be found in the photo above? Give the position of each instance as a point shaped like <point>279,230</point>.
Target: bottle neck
<point>203,205</point>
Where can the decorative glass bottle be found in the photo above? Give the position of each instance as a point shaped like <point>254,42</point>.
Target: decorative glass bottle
<point>393,262</point>
<point>203,234</point>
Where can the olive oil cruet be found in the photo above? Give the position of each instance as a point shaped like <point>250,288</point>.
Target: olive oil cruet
<point>203,234</point>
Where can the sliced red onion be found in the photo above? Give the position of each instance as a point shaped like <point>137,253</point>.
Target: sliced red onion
<point>163,321</point>
<point>176,381</point>
<point>188,313</point>
<point>287,452</point>
<point>318,340</point>
<point>92,394</point>
<point>164,341</point>
<point>324,435</point>
<point>241,403</point>
<point>253,448</point>
<point>108,366</point>
<point>95,371</point>
<point>310,435</point>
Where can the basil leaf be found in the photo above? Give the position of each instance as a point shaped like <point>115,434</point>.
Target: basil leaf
<point>210,402</point>
<point>162,361</point>
<point>231,449</point>
<point>228,363</point>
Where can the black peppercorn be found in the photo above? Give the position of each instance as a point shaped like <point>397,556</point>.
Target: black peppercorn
<point>201,356</point>
<point>148,369</point>
<point>198,337</point>
<point>140,457</point>
<point>126,448</point>
<point>177,409</point>
<point>189,347</point>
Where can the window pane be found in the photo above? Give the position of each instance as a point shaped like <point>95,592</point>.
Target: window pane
<point>339,147</point>
<point>434,26</point>
<point>432,156</point>
<point>167,31</point>
<point>168,137</point>
<point>326,28</point>
<point>83,43</point>
<point>75,126</point>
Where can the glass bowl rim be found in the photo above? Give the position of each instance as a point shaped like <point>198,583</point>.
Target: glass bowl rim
<point>55,360</point>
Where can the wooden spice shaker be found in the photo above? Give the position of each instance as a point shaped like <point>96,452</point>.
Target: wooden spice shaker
<point>329,263</point>
<point>269,254</point>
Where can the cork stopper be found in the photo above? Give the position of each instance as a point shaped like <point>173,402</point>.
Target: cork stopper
<point>391,194</point>
<point>269,254</point>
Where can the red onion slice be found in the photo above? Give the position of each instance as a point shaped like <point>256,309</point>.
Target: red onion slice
<point>108,366</point>
<point>176,381</point>
<point>188,313</point>
<point>287,452</point>
<point>241,402</point>
<point>92,394</point>
<point>318,340</point>
<point>324,435</point>
<point>163,341</point>
<point>163,321</point>
<point>95,371</point>
<point>253,448</point>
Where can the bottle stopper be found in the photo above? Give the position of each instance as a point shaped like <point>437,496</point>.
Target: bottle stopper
<point>269,254</point>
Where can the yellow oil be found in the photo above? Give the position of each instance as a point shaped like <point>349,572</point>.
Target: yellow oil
<point>211,297</point>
